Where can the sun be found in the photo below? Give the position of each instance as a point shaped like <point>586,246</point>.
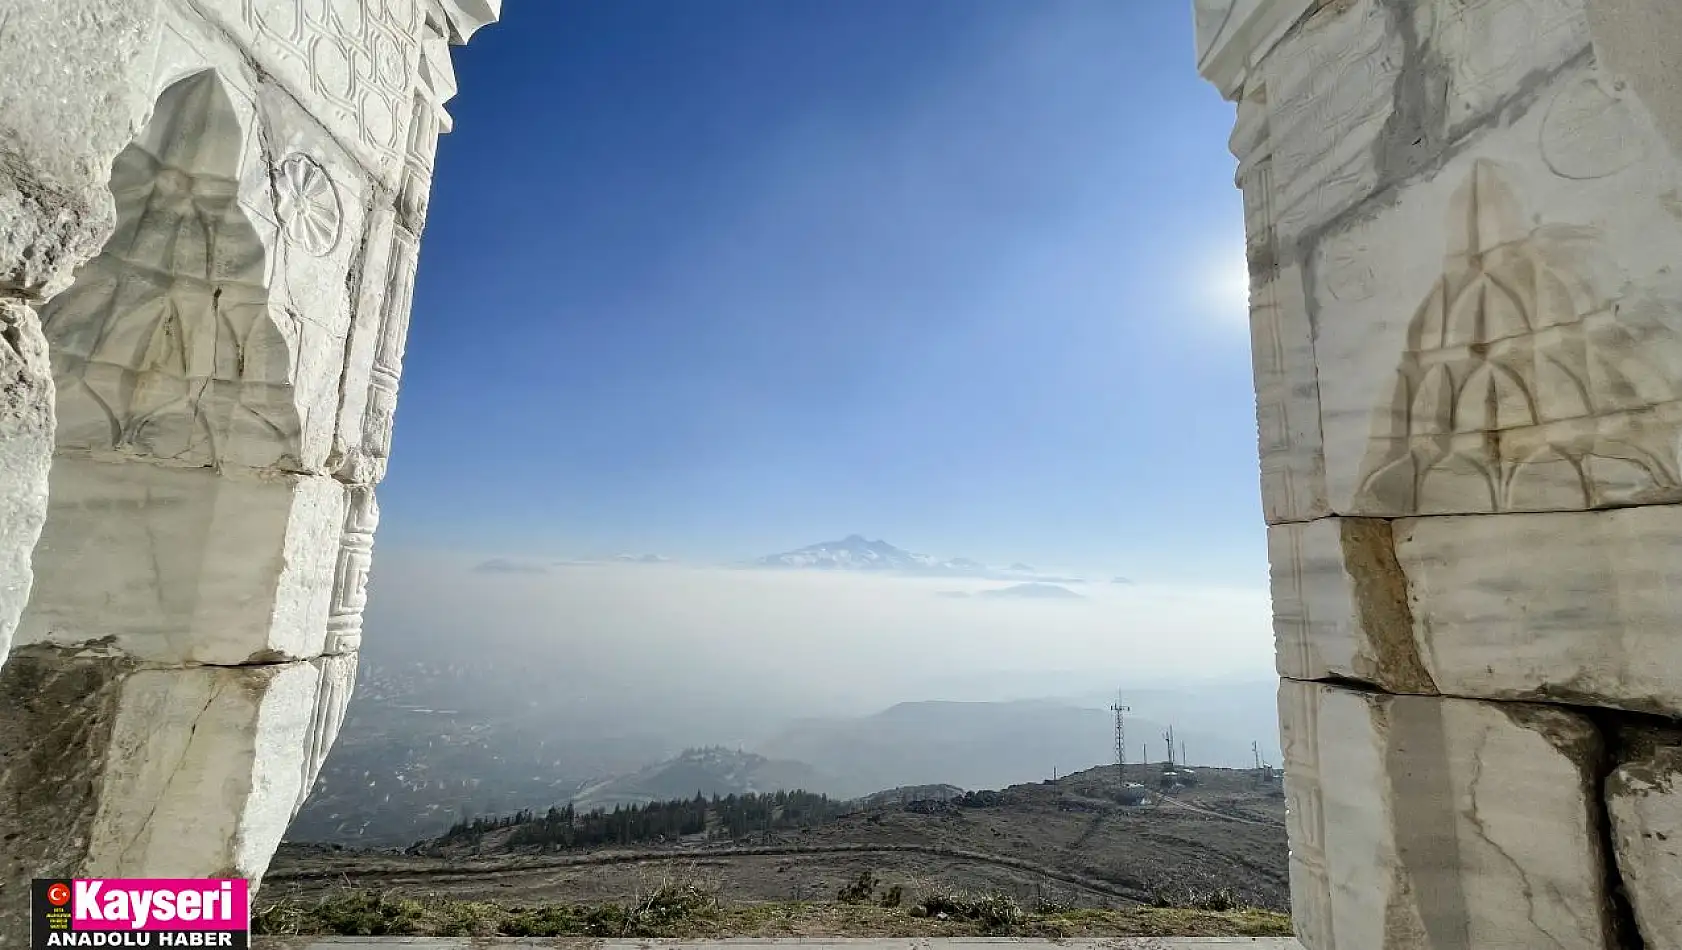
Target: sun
<point>1223,285</point>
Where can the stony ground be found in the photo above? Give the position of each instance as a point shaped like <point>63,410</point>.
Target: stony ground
<point>1049,844</point>
<point>684,913</point>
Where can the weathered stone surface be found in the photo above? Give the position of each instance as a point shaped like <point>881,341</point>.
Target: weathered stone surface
<point>469,16</point>
<point>26,440</point>
<point>1520,351</point>
<point>1340,605</point>
<point>208,765</point>
<point>1330,90</point>
<point>1421,822</point>
<point>1233,35</point>
<point>1573,606</point>
<point>215,207</point>
<point>53,741</point>
<point>193,567</point>
<point>1463,221</point>
<point>222,287</point>
<point>354,63</point>
<point>1645,808</point>
<point>56,149</point>
<point>1556,193</point>
<point>1486,56</point>
<point>1576,607</point>
<point>112,770</point>
<point>1293,477</point>
<point>1635,40</point>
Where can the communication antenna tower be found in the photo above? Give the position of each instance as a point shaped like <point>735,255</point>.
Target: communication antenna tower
<point>1120,740</point>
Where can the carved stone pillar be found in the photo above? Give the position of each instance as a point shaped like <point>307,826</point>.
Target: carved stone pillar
<point>55,210</point>
<point>225,368</point>
<point>1464,223</point>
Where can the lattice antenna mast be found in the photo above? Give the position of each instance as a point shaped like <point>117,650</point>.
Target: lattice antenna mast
<point>1120,740</point>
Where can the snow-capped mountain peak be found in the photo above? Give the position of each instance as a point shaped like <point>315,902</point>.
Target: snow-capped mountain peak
<point>855,552</point>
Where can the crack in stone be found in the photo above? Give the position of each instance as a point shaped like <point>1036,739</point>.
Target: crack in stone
<point>1475,819</point>
<point>1626,738</point>
<point>186,749</point>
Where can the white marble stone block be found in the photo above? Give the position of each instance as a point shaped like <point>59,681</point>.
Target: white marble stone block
<point>72,89</point>
<point>1421,822</point>
<point>210,327</point>
<point>1330,88</point>
<point>110,769</point>
<point>1520,349</point>
<point>1340,605</point>
<point>207,765</point>
<point>1645,806</point>
<point>1579,607</point>
<point>1517,350</point>
<point>193,566</point>
<point>214,207</point>
<point>353,62</point>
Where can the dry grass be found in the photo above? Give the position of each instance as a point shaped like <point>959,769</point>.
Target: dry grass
<point>685,909</point>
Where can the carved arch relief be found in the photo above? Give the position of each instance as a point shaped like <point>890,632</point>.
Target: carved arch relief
<point>1521,388</point>
<point>166,345</point>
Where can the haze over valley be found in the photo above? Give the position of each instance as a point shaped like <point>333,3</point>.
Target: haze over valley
<point>838,668</point>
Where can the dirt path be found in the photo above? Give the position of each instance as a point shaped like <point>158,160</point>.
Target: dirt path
<point>1215,814</point>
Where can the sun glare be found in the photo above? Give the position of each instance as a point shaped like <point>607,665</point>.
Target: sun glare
<point>1229,287</point>
<point>1221,278</point>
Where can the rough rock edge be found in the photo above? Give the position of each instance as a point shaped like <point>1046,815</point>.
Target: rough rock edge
<point>52,756</point>
<point>1382,609</point>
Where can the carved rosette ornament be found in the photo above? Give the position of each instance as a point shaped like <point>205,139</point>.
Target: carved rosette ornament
<point>307,204</point>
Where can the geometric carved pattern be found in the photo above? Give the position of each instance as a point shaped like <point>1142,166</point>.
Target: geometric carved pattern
<point>350,575</point>
<point>435,83</point>
<point>354,57</point>
<point>165,343</point>
<point>1521,389</point>
<point>307,205</point>
<point>1293,622</point>
<point>337,677</point>
<point>1311,880</point>
<point>390,344</point>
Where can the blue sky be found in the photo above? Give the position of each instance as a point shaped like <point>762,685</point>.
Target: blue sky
<point>717,278</point>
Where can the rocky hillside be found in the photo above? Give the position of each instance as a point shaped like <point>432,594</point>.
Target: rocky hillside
<point>1216,832</point>
<point>707,772</point>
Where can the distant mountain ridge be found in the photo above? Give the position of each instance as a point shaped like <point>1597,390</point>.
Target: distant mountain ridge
<point>855,552</point>
<point>980,744</point>
<point>712,770</point>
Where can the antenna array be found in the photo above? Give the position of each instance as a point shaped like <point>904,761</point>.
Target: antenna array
<point>1120,741</point>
